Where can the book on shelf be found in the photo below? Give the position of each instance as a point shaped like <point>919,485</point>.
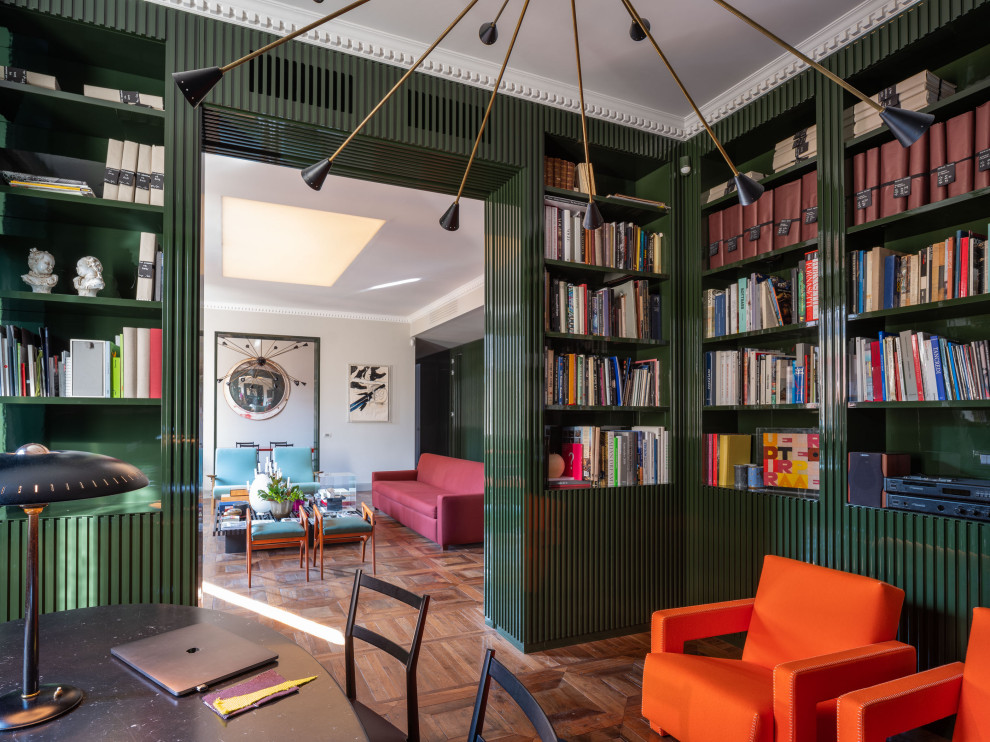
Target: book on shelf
<point>157,185</point>
<point>723,453</point>
<point>754,376</point>
<point>809,206</point>
<point>131,97</point>
<point>599,380</point>
<point>981,146</point>
<point>46,183</point>
<point>27,77</point>
<point>715,247</point>
<point>917,366</point>
<point>128,172</point>
<point>800,146</point>
<point>142,176</point>
<point>621,245</point>
<point>913,94</point>
<point>787,214</point>
<point>866,186</point>
<point>625,310</point>
<point>585,172</point>
<point>559,173</point>
<point>562,483</point>
<point>955,171</point>
<point>638,200</point>
<point>111,177</point>
<point>147,265</point>
<point>613,456</point>
<point>732,233</point>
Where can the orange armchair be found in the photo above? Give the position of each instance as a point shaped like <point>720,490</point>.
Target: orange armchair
<point>812,634</point>
<point>873,714</point>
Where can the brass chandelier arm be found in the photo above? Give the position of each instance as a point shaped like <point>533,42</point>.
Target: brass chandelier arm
<point>289,37</point>
<point>803,57</point>
<point>584,121</point>
<point>499,14</point>
<point>402,79</point>
<point>491,100</point>
<point>639,21</point>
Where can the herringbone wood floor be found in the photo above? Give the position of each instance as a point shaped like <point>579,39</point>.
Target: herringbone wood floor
<point>590,691</point>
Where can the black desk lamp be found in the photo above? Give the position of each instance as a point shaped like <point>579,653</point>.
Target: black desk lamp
<point>33,478</point>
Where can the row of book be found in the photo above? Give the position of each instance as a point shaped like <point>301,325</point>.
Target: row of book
<point>558,173</point>
<point>950,159</point>
<point>782,216</point>
<point>135,173</point>
<point>753,376</point>
<point>129,366</point>
<point>627,310</point>
<point>621,245</point>
<point>760,302</point>
<point>917,366</point>
<point>953,268</point>
<point>585,379</point>
<point>914,93</point>
<point>39,80</point>
<point>722,453</point>
<point>613,457</point>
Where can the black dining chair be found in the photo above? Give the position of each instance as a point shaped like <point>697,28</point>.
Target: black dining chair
<point>377,728</point>
<point>279,444</point>
<point>493,669</point>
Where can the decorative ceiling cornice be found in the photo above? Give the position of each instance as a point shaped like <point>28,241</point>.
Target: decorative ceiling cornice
<point>278,18</point>
<point>303,312</point>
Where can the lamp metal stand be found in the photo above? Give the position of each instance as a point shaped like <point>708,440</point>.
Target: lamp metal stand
<point>34,703</point>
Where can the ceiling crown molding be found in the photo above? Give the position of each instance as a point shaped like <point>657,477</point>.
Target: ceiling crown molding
<point>303,312</point>
<point>463,290</point>
<point>278,18</point>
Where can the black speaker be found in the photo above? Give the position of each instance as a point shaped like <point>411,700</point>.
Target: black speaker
<point>866,473</point>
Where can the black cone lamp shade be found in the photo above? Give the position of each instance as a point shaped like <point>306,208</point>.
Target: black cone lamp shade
<point>592,216</point>
<point>316,174</point>
<point>451,219</point>
<point>636,33</point>
<point>488,33</point>
<point>195,85</point>
<point>906,126</point>
<point>749,190</point>
<point>31,479</point>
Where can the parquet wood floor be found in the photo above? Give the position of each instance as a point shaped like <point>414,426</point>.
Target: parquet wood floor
<point>590,691</point>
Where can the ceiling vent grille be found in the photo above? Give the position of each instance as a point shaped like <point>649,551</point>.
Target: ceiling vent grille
<point>301,83</point>
<point>443,312</point>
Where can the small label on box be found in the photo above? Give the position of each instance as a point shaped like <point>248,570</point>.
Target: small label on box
<point>889,97</point>
<point>754,234</point>
<point>800,148</point>
<point>158,181</point>
<point>811,215</point>
<point>713,249</point>
<point>945,174</point>
<point>143,181</point>
<point>902,187</point>
<point>15,74</point>
<point>129,96</point>
<point>126,178</point>
<point>732,244</point>
<point>146,269</point>
<point>983,160</point>
<point>864,199</point>
<point>784,228</point>
<point>111,176</point>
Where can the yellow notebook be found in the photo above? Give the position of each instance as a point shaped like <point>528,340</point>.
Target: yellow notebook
<point>732,450</point>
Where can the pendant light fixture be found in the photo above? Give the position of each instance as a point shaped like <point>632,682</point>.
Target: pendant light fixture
<point>636,32</point>
<point>488,33</point>
<point>451,218</point>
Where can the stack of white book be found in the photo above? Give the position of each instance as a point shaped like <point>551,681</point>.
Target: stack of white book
<point>26,77</point>
<point>131,97</point>
<point>913,94</point>
<point>729,186</point>
<point>799,147</point>
<point>135,173</point>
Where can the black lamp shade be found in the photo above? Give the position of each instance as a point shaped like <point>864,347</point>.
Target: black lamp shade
<point>749,190</point>
<point>907,126</point>
<point>451,219</point>
<point>592,216</point>
<point>488,33</point>
<point>195,85</point>
<point>316,174</point>
<point>636,33</point>
<point>58,476</point>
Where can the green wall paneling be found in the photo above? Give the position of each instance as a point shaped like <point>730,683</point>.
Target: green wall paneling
<point>467,401</point>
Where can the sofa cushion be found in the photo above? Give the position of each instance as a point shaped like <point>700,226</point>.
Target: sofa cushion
<point>452,475</point>
<point>417,496</point>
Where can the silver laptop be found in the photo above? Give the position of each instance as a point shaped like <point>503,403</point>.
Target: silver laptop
<point>199,655</point>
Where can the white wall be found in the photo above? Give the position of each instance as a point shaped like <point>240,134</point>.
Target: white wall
<point>356,447</point>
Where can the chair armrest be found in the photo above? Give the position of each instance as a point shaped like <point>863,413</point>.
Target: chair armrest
<point>391,476</point>
<point>875,713</point>
<point>799,685</point>
<point>213,479</point>
<point>671,627</point>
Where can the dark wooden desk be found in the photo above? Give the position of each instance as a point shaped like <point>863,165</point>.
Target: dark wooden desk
<point>120,705</point>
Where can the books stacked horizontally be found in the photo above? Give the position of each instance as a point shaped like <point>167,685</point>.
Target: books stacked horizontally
<point>729,187</point>
<point>760,302</point>
<point>799,147</point>
<point>614,245</point>
<point>762,377</point>
<point>723,453</point>
<point>130,366</point>
<point>612,456</point>
<point>627,310</point>
<point>951,269</point>
<point>584,379</point>
<point>26,77</point>
<point>559,173</point>
<point>913,94</point>
<point>131,97</point>
<point>47,184</point>
<point>917,366</point>
<point>135,173</point>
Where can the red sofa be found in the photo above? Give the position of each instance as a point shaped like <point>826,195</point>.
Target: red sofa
<point>442,499</point>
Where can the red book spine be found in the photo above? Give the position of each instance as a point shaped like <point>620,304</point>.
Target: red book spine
<point>894,178</point>
<point>917,367</point>
<point>809,206</point>
<point>155,387</point>
<point>873,183</point>
<point>981,129</point>
<point>918,168</point>
<point>732,222</point>
<point>811,286</point>
<point>716,248</point>
<point>787,214</point>
<point>764,210</point>
<point>964,266</point>
<point>859,186</point>
<point>877,369</point>
<point>959,150</point>
<point>936,158</point>
<point>751,229</point>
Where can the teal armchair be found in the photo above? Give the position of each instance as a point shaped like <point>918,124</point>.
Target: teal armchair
<point>234,469</point>
<point>296,463</point>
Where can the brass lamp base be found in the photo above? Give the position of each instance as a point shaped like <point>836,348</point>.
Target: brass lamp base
<point>51,701</point>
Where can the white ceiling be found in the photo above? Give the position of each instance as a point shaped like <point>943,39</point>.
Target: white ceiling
<point>411,244</point>
<point>722,62</point>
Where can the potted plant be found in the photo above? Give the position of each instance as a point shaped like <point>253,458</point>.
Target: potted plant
<point>281,494</point>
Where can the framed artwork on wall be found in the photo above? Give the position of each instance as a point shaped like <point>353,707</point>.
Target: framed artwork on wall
<point>368,394</point>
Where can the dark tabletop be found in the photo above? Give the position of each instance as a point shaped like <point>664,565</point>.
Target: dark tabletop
<point>121,706</point>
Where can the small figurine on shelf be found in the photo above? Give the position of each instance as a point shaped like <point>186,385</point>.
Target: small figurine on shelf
<point>90,278</point>
<point>39,277</point>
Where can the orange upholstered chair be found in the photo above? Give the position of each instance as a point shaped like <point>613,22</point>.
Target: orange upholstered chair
<point>812,634</point>
<point>873,714</point>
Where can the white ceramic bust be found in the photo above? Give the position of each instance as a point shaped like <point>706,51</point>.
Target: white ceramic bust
<point>39,277</point>
<point>90,278</point>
